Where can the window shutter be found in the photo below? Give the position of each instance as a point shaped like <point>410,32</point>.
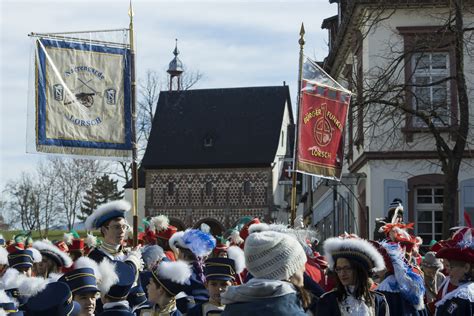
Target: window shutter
<point>395,189</point>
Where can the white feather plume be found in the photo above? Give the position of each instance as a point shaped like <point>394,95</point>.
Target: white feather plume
<point>109,276</point>
<point>4,298</point>
<point>54,277</point>
<point>91,240</point>
<point>237,254</point>
<point>160,222</point>
<point>205,228</point>
<point>235,237</point>
<point>104,209</point>
<point>3,256</point>
<point>336,244</point>
<point>37,257</point>
<point>47,247</point>
<point>68,238</point>
<point>85,262</point>
<point>10,279</point>
<point>176,240</point>
<point>30,286</point>
<point>177,271</point>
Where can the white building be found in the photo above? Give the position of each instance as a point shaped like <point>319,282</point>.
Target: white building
<point>393,155</point>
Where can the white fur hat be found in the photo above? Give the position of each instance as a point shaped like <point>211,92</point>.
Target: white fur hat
<point>106,212</point>
<point>61,258</point>
<point>355,249</point>
<point>273,255</point>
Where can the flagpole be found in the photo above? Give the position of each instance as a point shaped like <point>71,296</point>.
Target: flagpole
<point>134,135</point>
<point>295,149</point>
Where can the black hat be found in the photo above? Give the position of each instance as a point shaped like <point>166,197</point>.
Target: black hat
<point>20,259</point>
<point>126,277</point>
<point>81,281</point>
<point>220,269</point>
<point>55,299</point>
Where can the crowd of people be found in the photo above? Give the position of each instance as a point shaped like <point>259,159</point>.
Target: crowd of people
<point>255,269</point>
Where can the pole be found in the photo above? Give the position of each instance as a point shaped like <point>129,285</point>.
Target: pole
<point>295,150</point>
<point>134,132</point>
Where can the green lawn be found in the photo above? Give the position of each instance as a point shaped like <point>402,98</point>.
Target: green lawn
<point>52,234</point>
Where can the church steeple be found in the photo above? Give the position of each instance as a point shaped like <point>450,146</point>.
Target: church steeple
<point>175,69</point>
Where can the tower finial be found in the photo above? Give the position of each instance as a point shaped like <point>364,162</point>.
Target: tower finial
<point>175,68</point>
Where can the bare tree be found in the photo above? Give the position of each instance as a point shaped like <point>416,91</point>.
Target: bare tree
<point>149,90</point>
<point>403,97</point>
<point>23,202</point>
<point>72,178</point>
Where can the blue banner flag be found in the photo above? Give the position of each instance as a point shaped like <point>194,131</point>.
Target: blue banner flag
<point>82,95</point>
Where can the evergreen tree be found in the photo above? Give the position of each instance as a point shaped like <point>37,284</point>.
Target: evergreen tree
<point>103,190</point>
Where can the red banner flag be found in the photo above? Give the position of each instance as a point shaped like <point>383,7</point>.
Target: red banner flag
<point>321,130</point>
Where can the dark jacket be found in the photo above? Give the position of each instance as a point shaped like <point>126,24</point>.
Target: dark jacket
<point>399,306</point>
<point>457,302</point>
<point>117,311</point>
<point>262,297</point>
<point>328,305</point>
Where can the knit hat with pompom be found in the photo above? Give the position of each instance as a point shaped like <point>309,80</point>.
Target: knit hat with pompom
<point>273,255</point>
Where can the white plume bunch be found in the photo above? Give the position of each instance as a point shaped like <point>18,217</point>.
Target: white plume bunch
<point>30,286</point>
<point>91,240</point>
<point>205,228</point>
<point>10,279</point>
<point>54,277</point>
<point>178,271</point>
<point>109,276</point>
<point>237,254</point>
<point>235,237</point>
<point>68,238</point>
<point>160,222</point>
<point>176,240</point>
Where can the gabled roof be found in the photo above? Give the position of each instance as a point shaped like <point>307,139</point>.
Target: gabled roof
<point>240,126</point>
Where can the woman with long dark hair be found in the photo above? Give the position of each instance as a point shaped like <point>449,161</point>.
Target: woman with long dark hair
<point>352,259</point>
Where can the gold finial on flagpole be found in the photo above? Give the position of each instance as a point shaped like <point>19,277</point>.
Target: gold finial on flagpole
<point>295,150</point>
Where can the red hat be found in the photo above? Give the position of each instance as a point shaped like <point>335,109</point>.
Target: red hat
<point>77,244</point>
<point>460,247</point>
<point>221,246</point>
<point>167,233</point>
<point>244,232</point>
<point>62,246</point>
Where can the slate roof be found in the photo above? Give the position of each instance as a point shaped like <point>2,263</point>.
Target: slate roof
<point>243,125</point>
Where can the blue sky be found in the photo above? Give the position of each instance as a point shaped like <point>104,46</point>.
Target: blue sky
<point>233,43</point>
